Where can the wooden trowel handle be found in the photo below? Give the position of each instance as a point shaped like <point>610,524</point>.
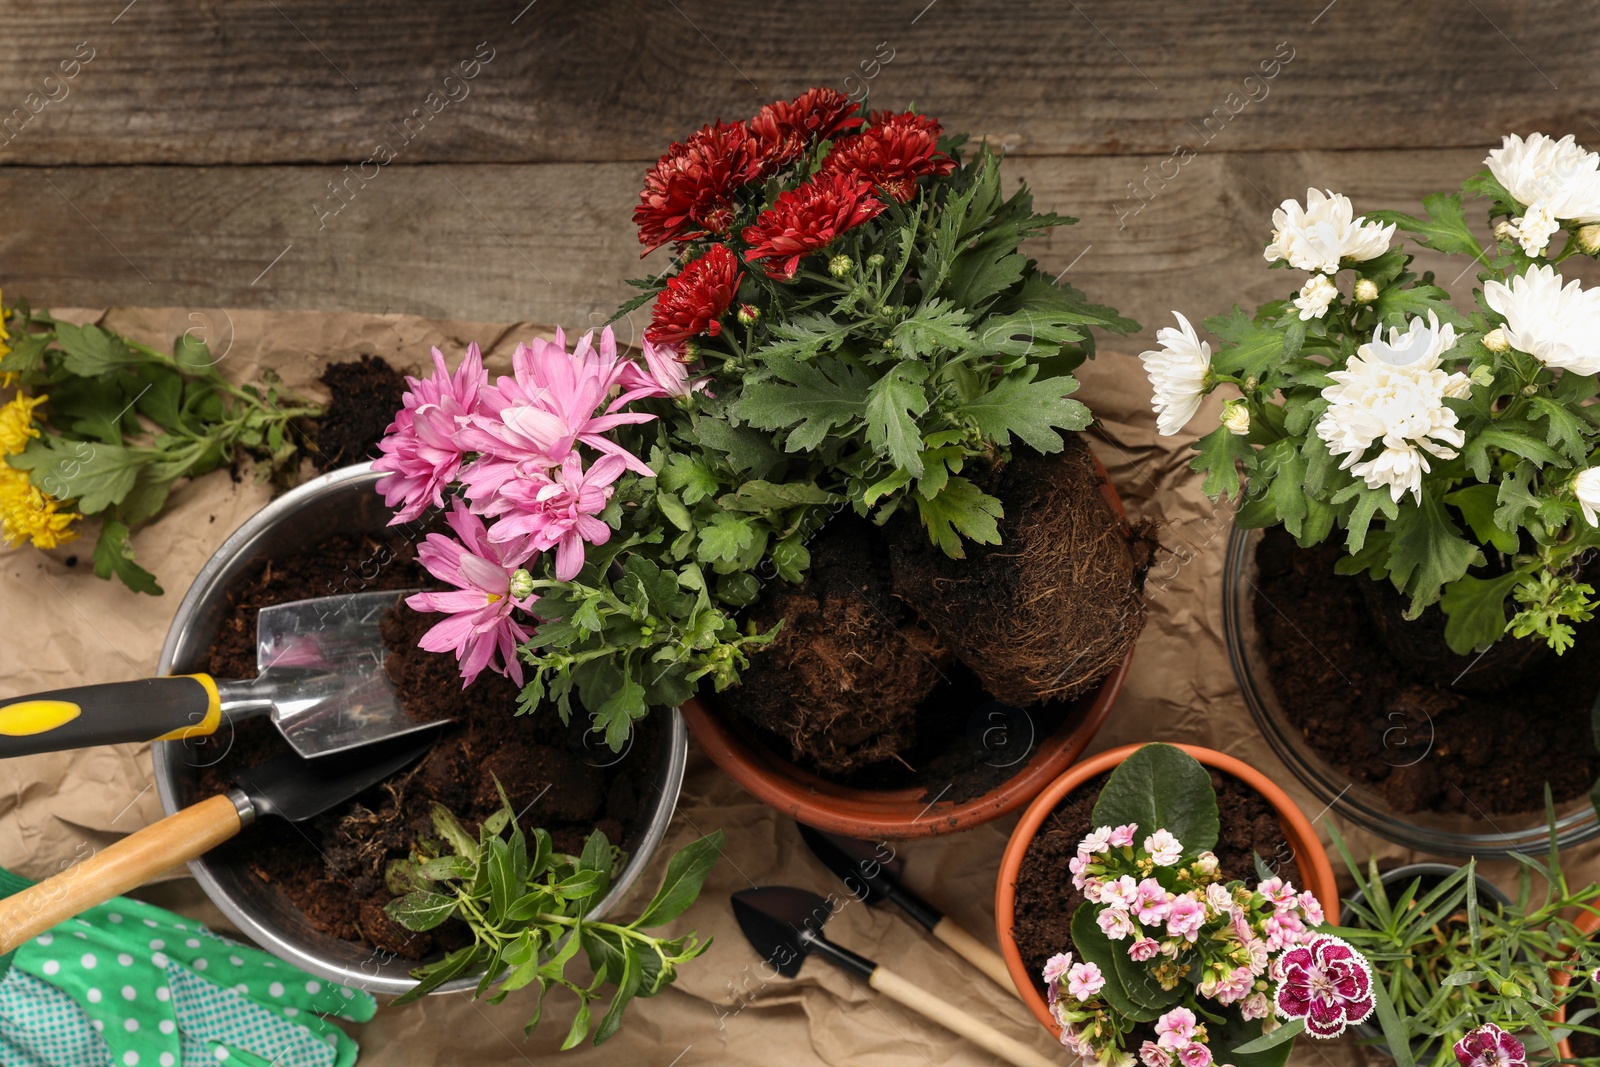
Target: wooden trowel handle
<point>975,952</point>
<point>953,1018</point>
<point>118,868</point>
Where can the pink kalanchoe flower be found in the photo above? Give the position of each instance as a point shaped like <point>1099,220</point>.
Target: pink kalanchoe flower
<point>1164,849</point>
<point>530,422</point>
<point>1235,987</point>
<point>1490,1046</point>
<point>1311,908</point>
<point>1327,983</point>
<point>1122,836</point>
<point>1255,1006</point>
<point>1099,840</point>
<point>1121,892</point>
<point>1153,1055</point>
<point>480,629</point>
<point>1055,969</point>
<point>664,373</point>
<point>422,450</point>
<point>1186,917</point>
<point>1175,1029</point>
<point>1150,903</point>
<point>1219,900</point>
<point>1116,923</point>
<point>1284,930</point>
<point>1143,949</point>
<point>1085,980</point>
<point>1195,1054</point>
<point>1077,865</point>
<point>1279,892</point>
<point>558,510</point>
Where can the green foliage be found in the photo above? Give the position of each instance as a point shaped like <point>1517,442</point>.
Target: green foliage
<point>527,907</point>
<point>1162,787</point>
<point>125,423</point>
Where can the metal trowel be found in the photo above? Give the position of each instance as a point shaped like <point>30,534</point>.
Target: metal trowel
<point>319,676</point>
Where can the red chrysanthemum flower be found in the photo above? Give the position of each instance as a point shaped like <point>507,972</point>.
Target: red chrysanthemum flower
<point>689,192</point>
<point>695,300</point>
<point>892,153</point>
<point>807,218</point>
<point>785,129</point>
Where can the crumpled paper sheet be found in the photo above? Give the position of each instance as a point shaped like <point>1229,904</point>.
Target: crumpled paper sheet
<point>63,627</point>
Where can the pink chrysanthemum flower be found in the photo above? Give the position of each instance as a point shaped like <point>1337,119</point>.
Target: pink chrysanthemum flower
<point>558,510</point>
<point>421,452</point>
<point>1327,983</point>
<point>664,373</point>
<point>480,630</point>
<point>1490,1046</point>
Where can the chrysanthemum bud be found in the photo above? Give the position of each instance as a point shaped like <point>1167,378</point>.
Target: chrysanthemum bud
<point>1496,341</point>
<point>1502,230</point>
<point>749,314</point>
<point>1366,291</point>
<point>521,584</point>
<point>875,261</point>
<point>840,265</point>
<point>1589,239</point>
<point>1236,417</point>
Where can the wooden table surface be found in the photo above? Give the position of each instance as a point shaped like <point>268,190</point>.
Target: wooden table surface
<point>285,154</point>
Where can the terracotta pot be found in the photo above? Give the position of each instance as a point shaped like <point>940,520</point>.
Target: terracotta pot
<point>897,814</point>
<point>1316,873</point>
<point>1587,923</point>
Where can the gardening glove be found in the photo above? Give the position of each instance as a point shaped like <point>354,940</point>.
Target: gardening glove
<point>155,989</point>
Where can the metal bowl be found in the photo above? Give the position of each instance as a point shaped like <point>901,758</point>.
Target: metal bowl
<point>344,500</point>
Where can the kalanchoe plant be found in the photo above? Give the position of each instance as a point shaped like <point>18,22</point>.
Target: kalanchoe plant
<point>527,907</point>
<point>1459,974</point>
<point>1163,939</point>
<point>1457,452</point>
<point>855,292</point>
<point>102,426</point>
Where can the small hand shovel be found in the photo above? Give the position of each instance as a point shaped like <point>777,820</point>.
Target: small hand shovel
<point>871,879</point>
<point>288,787</point>
<point>321,678</point>
<point>785,926</point>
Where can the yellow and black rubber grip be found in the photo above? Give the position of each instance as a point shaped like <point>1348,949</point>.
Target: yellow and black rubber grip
<point>155,709</point>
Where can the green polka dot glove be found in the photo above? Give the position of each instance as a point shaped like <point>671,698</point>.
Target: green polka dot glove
<point>127,984</point>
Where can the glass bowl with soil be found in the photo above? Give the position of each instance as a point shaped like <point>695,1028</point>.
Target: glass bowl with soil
<point>313,893</point>
<point>1034,896</point>
<point>908,694</point>
<point>1438,752</point>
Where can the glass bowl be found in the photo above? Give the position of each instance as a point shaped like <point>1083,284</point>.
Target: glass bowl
<point>1494,834</point>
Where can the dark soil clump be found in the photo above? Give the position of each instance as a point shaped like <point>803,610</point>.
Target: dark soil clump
<point>1400,730</point>
<point>1046,899</point>
<point>841,683</point>
<point>1046,614</point>
<point>331,867</point>
<point>366,394</point>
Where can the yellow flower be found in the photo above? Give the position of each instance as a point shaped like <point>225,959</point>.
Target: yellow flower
<point>26,514</point>
<point>16,423</point>
<point>5,335</point>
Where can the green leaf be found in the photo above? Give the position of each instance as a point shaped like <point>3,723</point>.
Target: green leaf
<point>95,475</point>
<point>760,496</point>
<point>1032,410</point>
<point>1219,454</point>
<point>689,477</point>
<point>1237,1034</point>
<point>1160,787</point>
<point>420,909</point>
<point>894,403</point>
<point>1428,552</point>
<point>803,336</point>
<point>1282,1035</point>
<point>617,715</point>
<point>1096,948</point>
<point>937,326</point>
<point>686,873</point>
<point>960,510</point>
<point>627,985</point>
<point>1477,504</point>
<point>725,538</point>
<point>1368,502</point>
<point>447,827</point>
<point>1255,348</point>
<point>813,398</point>
<point>503,886</point>
<point>434,975</point>
<point>113,554</point>
<point>1563,429</point>
<point>579,1029</point>
<point>1445,229</point>
<point>1396,306</point>
<point>88,351</point>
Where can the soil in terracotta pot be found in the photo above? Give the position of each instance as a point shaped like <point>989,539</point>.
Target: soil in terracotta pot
<point>365,394</point>
<point>1425,746</point>
<point>331,867</point>
<point>1051,610</point>
<point>1046,899</point>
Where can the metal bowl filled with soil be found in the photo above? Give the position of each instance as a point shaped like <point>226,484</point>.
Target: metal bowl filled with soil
<point>1034,897</point>
<point>312,893</point>
<point>1437,752</point>
<point>909,694</point>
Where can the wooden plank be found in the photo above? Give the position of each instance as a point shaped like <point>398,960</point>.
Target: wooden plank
<point>553,242</point>
<point>295,81</point>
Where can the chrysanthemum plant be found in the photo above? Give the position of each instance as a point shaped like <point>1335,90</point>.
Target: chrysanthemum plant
<point>1206,968</point>
<point>854,293</point>
<point>101,426</point>
<point>1453,446</point>
<point>1466,976</point>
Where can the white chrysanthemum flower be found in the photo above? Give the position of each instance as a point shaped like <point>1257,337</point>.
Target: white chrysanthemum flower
<point>1555,180</point>
<point>1495,340</point>
<point>1393,393</point>
<point>1586,487</point>
<point>1177,372</point>
<point>1315,296</point>
<point>1318,236</point>
<point>1558,324</point>
<point>1236,417</point>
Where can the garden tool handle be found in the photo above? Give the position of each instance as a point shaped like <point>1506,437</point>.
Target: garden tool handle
<point>154,709</point>
<point>953,1018</point>
<point>975,952</point>
<point>117,868</point>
